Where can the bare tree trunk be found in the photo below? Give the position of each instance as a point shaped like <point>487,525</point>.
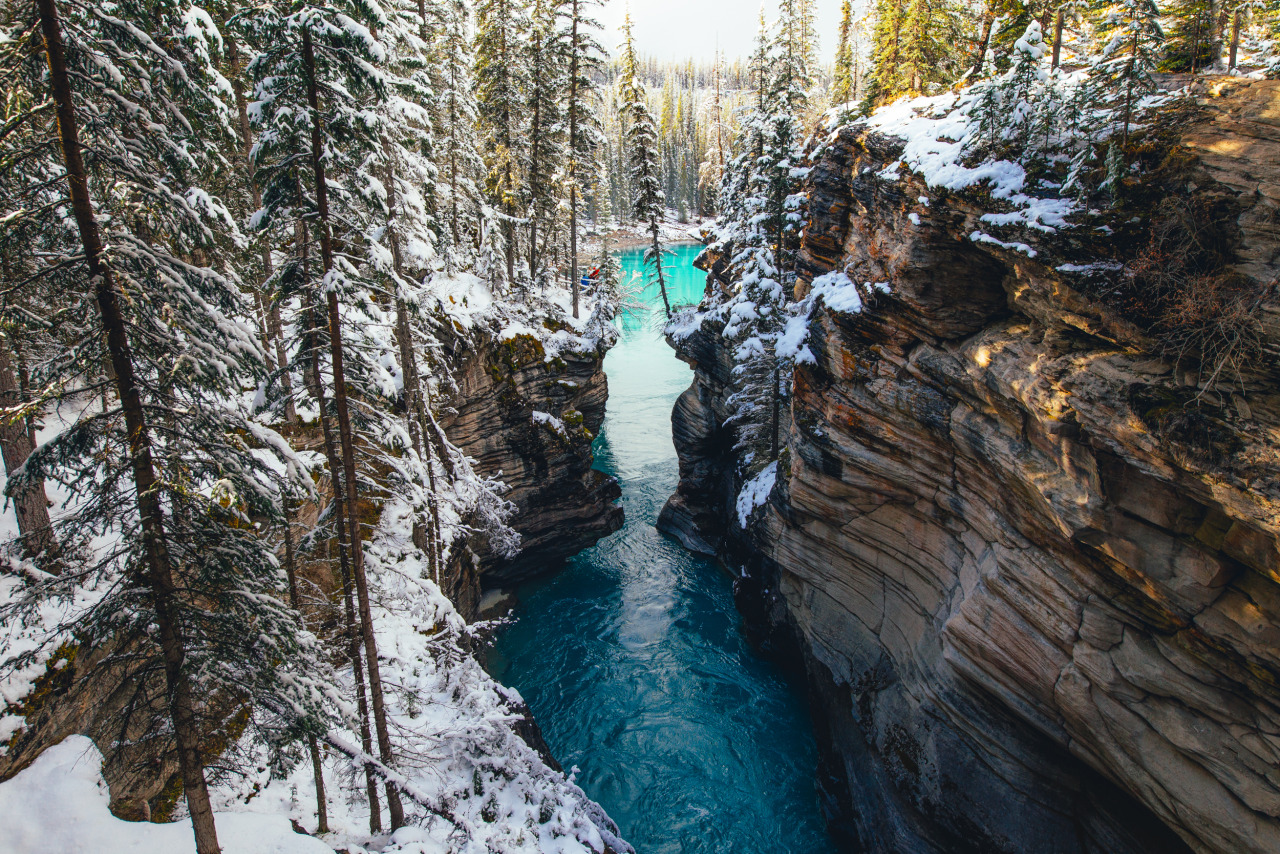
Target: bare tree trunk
<point>1058,26</point>
<point>322,808</point>
<point>270,310</point>
<point>657,263</point>
<point>340,517</point>
<point>158,567</point>
<point>346,439</point>
<point>775,401</point>
<point>573,156</point>
<point>31,505</point>
<point>1237,22</point>
<point>344,565</point>
<point>24,388</point>
<point>425,537</point>
<point>291,573</point>
<point>1217,23</point>
<point>510,228</point>
<point>980,58</point>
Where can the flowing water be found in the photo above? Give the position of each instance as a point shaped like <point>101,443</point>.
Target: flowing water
<point>633,658</point>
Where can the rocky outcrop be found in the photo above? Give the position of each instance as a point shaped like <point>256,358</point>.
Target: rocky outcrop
<point>563,504</point>
<point>1033,569</point>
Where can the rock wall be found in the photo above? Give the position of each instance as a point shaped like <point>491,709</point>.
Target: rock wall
<point>1037,615</point>
<point>563,504</point>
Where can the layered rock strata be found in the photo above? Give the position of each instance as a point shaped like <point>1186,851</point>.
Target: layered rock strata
<point>529,419</point>
<point>1034,570</point>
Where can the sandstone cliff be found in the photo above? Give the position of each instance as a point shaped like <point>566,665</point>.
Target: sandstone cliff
<point>1033,568</point>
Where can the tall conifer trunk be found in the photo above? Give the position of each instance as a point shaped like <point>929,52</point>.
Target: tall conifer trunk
<point>1237,22</point>
<point>425,537</point>
<point>270,310</point>
<point>346,438</point>
<point>573,158</point>
<point>344,566</point>
<point>1058,27</point>
<point>158,573</point>
<point>980,57</point>
<point>295,601</point>
<point>31,505</point>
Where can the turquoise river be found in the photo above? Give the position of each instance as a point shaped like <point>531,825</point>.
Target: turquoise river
<point>633,658</point>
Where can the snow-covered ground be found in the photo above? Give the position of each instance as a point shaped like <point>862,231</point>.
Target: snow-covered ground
<point>455,742</point>
<point>59,806</point>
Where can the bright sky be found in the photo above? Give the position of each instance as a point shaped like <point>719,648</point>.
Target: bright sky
<point>679,29</point>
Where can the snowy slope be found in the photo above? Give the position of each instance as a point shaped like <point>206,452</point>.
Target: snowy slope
<point>59,806</point>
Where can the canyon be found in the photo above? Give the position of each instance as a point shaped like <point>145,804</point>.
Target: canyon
<point>1030,563</point>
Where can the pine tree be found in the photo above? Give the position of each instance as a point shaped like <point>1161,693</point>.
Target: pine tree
<point>459,167</point>
<point>844,87</point>
<point>1192,44</point>
<point>794,55</point>
<point>584,64</point>
<point>32,289</point>
<point>916,48</point>
<point>1123,72</point>
<point>168,472</point>
<point>245,197</point>
<point>317,72</point>
<point>719,141</point>
<point>502,76</point>
<point>648,201</point>
<point>546,94</point>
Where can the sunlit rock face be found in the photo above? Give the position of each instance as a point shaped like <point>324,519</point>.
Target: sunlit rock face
<point>1035,618</point>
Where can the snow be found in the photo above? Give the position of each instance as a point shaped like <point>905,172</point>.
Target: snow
<point>546,419</point>
<point>60,803</point>
<point>838,292</point>
<point>1095,267</point>
<point>914,217</point>
<point>934,131</point>
<point>982,237</point>
<point>455,742</point>
<point>29,644</point>
<point>755,492</point>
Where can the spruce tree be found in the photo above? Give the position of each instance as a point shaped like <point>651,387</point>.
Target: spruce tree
<point>794,55</point>
<point>1123,73</point>
<point>844,87</point>
<point>502,80</point>
<point>916,48</point>
<point>719,142</point>
<point>545,97</point>
<point>167,471</point>
<point>1192,44</point>
<point>648,201</point>
<point>321,149</point>
<point>584,64</point>
<point>459,167</point>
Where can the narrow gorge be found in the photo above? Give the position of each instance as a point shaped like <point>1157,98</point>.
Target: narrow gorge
<point>1031,566</point>
<point>580,427</point>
